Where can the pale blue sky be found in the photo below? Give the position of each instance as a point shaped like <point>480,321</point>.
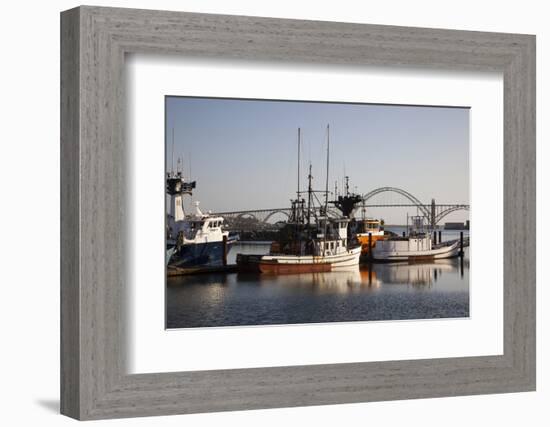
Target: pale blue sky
<point>243,153</point>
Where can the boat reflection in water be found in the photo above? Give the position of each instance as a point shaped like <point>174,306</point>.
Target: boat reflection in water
<point>342,280</point>
<point>415,273</point>
<point>439,289</point>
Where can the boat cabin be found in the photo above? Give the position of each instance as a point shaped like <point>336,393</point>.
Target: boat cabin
<point>417,243</point>
<point>330,247</point>
<point>337,228</point>
<point>373,226</point>
<point>203,229</point>
<point>205,224</point>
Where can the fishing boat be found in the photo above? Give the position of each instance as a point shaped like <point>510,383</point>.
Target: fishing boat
<point>311,241</point>
<point>418,246</point>
<point>202,241</point>
<point>320,249</point>
<point>196,240</point>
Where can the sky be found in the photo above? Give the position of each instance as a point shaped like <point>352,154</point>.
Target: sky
<point>244,153</point>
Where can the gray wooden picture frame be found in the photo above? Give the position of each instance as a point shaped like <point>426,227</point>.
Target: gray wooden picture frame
<point>94,41</point>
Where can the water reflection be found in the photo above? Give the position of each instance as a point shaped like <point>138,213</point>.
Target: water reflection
<point>415,274</point>
<point>340,281</point>
<point>373,292</point>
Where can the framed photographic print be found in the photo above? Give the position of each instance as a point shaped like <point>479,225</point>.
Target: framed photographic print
<point>262,213</point>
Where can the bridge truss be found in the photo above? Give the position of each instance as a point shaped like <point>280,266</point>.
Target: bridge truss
<point>434,212</point>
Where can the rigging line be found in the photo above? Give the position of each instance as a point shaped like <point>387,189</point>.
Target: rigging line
<point>287,183</point>
<point>317,198</point>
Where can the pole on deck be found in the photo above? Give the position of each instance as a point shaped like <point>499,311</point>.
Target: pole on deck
<point>370,246</point>
<point>461,253</point>
<point>224,250</point>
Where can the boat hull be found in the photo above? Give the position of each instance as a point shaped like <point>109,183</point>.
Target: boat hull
<point>209,254</point>
<point>442,252</point>
<point>290,264</point>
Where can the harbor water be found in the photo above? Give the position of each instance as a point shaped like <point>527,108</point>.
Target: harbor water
<point>401,291</point>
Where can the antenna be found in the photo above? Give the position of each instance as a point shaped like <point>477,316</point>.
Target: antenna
<point>190,180</point>
<point>189,157</point>
<point>344,179</point>
<point>172,150</point>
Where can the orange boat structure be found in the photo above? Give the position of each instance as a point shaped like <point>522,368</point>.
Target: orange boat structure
<point>364,227</point>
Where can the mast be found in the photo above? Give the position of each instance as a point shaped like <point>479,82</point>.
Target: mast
<point>298,188</point>
<point>172,170</point>
<point>326,184</point>
<point>326,190</point>
<point>298,213</point>
<point>309,193</point>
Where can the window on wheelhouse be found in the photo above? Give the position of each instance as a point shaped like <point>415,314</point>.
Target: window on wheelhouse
<point>196,225</point>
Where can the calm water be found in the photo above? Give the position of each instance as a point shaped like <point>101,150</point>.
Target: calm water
<point>381,292</point>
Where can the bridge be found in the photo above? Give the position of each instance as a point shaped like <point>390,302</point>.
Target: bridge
<point>263,216</point>
<point>433,211</point>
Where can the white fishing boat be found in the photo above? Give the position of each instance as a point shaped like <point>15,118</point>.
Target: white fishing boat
<point>309,242</point>
<point>413,248</point>
<point>417,247</point>
<point>201,241</point>
<point>322,253</point>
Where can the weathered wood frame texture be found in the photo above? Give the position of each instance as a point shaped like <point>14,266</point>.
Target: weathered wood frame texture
<point>94,41</point>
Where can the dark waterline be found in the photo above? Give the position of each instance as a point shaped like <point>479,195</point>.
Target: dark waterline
<point>379,292</point>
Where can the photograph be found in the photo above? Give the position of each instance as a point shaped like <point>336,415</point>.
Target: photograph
<point>297,212</point>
